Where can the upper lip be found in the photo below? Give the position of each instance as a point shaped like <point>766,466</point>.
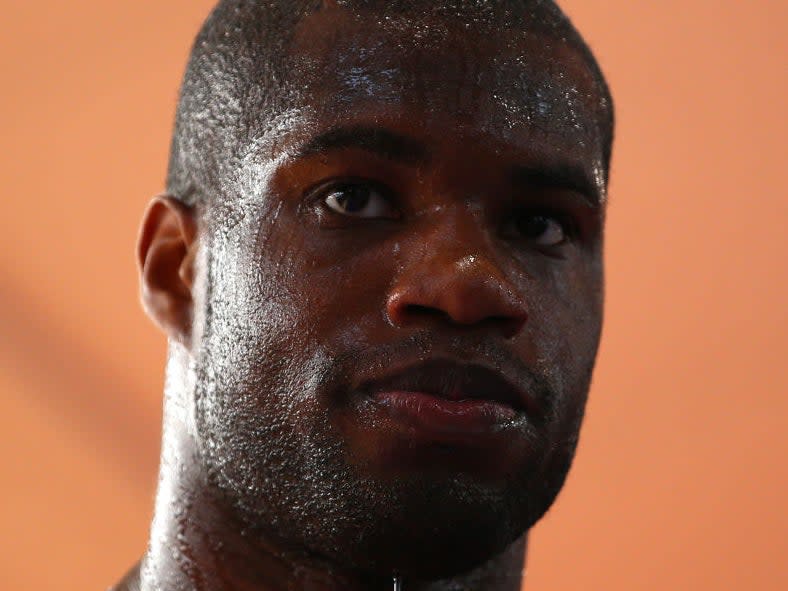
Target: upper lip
<point>447,378</point>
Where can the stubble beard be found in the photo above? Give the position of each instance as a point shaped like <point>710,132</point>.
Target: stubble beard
<point>275,460</point>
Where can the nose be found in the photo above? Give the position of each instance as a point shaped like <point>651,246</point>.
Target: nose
<point>457,282</point>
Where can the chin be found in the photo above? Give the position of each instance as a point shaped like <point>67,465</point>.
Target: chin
<point>438,555</point>
<point>433,531</point>
<point>437,560</point>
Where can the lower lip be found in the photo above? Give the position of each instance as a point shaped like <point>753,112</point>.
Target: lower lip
<point>441,417</point>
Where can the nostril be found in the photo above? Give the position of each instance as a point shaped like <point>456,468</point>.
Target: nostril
<point>454,300</point>
<point>419,310</point>
<point>507,326</point>
<point>401,314</point>
<point>510,325</point>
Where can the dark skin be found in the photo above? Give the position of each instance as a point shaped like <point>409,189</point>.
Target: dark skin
<point>420,203</point>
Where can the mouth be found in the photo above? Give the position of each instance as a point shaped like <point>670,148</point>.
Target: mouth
<point>443,399</point>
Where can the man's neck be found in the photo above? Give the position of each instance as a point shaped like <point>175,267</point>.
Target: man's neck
<point>198,543</point>
<point>503,573</point>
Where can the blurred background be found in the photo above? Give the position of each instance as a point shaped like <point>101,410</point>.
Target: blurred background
<point>680,479</point>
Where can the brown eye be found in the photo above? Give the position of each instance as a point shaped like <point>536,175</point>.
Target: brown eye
<point>359,200</point>
<point>541,229</point>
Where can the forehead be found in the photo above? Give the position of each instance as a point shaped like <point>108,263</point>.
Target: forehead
<point>502,80</point>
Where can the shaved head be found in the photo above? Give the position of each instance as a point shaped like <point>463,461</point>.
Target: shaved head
<point>238,87</point>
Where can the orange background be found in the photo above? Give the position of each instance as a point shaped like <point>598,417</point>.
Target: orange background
<point>680,481</point>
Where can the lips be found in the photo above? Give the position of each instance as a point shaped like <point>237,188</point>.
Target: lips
<point>454,411</point>
<point>454,382</point>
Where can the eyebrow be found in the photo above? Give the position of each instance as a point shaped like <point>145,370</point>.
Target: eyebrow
<point>384,143</point>
<point>559,176</point>
<point>410,151</point>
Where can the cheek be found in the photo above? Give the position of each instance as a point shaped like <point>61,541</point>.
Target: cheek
<point>565,324</point>
<point>251,307</point>
<point>282,285</point>
<point>343,278</point>
<point>261,357</point>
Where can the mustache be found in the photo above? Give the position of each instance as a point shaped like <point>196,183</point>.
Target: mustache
<point>361,364</point>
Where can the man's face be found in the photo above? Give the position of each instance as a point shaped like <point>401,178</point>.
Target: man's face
<point>403,293</point>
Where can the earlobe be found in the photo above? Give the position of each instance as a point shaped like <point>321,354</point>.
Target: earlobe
<point>166,252</point>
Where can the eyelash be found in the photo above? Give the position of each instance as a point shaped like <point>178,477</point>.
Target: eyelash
<point>564,219</point>
<point>316,196</point>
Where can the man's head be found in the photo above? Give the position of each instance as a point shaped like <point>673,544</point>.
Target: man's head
<point>383,251</point>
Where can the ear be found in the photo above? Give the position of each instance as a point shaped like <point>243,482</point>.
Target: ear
<point>166,252</point>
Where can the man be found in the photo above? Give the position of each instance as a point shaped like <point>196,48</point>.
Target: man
<point>379,266</point>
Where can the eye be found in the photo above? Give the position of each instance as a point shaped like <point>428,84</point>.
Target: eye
<point>541,229</point>
<point>359,200</point>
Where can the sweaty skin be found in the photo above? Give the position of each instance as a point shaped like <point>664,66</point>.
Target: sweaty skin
<point>432,194</point>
